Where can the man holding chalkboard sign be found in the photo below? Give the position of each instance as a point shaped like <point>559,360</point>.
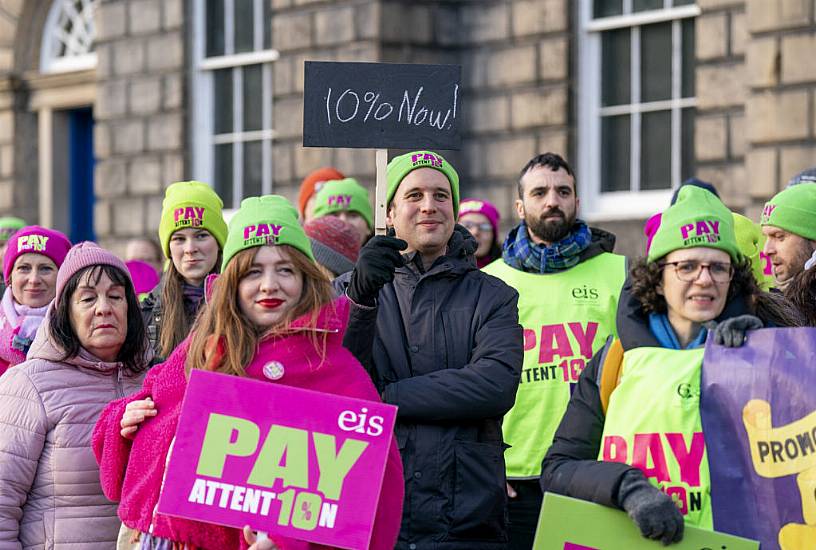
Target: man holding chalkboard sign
<point>441,341</point>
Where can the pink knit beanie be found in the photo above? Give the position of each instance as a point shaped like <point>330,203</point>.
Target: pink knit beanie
<point>37,240</point>
<point>483,207</point>
<point>651,227</point>
<point>82,255</point>
<point>145,278</point>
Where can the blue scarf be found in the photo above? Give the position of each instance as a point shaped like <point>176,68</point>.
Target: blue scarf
<point>519,252</point>
<point>666,337</point>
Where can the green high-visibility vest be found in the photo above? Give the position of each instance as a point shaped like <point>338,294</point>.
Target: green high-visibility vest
<point>567,317</point>
<point>653,423</point>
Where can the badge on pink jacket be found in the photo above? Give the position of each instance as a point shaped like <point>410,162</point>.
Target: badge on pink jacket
<point>280,459</point>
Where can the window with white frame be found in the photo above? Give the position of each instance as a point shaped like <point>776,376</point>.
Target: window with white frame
<point>68,37</point>
<point>232,98</point>
<point>636,104</point>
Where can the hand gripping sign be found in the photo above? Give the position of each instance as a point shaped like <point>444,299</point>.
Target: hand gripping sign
<point>283,460</point>
<point>758,409</point>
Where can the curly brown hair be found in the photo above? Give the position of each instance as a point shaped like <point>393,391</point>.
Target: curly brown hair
<point>772,308</point>
<point>801,291</point>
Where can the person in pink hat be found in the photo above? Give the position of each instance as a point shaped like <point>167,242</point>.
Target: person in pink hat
<point>145,278</point>
<point>481,218</point>
<point>33,256</point>
<point>89,350</point>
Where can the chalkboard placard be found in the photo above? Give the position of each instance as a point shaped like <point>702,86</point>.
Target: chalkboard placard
<point>382,105</point>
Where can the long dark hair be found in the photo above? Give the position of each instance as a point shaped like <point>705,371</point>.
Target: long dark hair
<point>132,352</point>
<point>772,307</point>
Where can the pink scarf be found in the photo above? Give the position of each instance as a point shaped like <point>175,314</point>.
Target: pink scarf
<point>23,321</point>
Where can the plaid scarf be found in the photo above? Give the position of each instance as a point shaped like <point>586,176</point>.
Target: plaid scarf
<point>521,253</point>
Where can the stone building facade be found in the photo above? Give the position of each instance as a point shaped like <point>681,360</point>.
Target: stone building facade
<point>164,78</point>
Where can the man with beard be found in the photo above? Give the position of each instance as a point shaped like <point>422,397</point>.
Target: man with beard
<point>568,282</point>
<point>789,223</point>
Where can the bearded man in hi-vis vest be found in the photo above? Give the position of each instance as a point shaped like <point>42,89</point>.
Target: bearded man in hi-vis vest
<point>568,282</point>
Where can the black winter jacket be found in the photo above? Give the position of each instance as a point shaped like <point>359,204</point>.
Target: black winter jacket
<point>446,347</point>
<point>571,466</point>
<point>151,309</point>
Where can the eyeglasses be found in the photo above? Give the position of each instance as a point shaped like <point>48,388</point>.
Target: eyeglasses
<point>470,226</point>
<point>689,271</point>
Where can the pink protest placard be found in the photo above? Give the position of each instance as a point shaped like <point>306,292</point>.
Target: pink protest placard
<point>280,459</point>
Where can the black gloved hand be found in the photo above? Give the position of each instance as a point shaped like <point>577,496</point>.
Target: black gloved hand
<point>731,332</point>
<point>375,268</point>
<point>653,511</point>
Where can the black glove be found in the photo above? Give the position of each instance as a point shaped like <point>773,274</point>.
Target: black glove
<point>653,511</point>
<point>731,332</point>
<point>375,268</point>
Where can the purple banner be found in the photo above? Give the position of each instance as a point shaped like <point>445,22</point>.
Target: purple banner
<point>759,418</point>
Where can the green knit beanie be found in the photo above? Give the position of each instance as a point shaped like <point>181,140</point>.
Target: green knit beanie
<point>9,225</point>
<point>191,204</point>
<point>793,210</point>
<point>401,166</point>
<point>750,242</point>
<point>343,196</point>
<point>698,218</point>
<point>270,219</point>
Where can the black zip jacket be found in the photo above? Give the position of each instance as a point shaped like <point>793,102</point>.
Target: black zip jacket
<point>446,347</point>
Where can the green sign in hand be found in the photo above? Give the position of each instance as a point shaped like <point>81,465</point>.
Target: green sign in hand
<point>563,525</point>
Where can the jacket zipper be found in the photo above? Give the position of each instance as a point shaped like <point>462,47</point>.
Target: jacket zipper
<point>117,386</point>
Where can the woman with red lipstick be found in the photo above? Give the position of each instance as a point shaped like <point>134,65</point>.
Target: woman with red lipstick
<point>273,317</point>
<point>643,389</point>
<point>33,256</point>
<point>192,233</point>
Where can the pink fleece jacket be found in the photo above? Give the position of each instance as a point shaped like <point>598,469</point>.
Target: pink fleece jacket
<point>131,472</point>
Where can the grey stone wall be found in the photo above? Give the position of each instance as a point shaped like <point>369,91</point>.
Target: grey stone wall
<point>780,107</point>
<point>343,30</point>
<point>10,11</point>
<point>140,113</point>
<point>720,142</point>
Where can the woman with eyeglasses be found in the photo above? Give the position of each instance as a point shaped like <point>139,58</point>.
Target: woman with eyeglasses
<point>481,218</point>
<point>632,435</point>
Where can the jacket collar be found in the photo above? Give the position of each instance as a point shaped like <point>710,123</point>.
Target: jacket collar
<point>458,259</point>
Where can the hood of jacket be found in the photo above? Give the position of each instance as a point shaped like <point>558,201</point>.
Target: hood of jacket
<point>46,349</point>
<point>633,323</point>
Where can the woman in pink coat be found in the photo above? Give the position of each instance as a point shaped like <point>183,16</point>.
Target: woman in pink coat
<point>33,256</point>
<point>271,317</point>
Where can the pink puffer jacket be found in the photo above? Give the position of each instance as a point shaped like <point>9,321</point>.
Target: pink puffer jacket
<point>132,471</point>
<point>50,496</point>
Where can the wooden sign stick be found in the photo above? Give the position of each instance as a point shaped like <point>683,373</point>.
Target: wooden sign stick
<point>381,192</point>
